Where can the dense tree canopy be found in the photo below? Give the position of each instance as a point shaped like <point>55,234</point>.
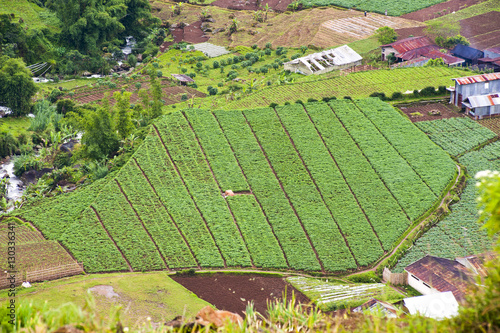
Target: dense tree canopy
<point>90,25</point>
<point>16,85</point>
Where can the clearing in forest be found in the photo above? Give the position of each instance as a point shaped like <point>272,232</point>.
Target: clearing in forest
<point>327,187</point>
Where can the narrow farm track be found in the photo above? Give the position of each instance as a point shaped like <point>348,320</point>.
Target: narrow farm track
<point>316,185</point>
<point>218,185</point>
<point>109,235</point>
<point>173,221</point>
<point>187,189</point>
<point>142,222</point>
<point>399,153</point>
<point>447,196</point>
<point>286,195</point>
<point>343,176</point>
<point>373,168</point>
<point>250,188</point>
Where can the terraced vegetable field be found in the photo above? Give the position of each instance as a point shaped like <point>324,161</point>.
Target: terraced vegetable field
<point>459,234</point>
<point>355,85</point>
<point>456,135</point>
<point>325,187</point>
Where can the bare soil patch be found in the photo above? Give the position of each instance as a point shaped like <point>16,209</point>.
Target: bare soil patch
<point>103,290</point>
<point>440,9</point>
<point>445,110</point>
<point>233,292</point>
<point>482,31</point>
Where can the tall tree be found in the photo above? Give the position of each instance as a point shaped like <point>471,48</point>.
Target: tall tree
<point>122,111</point>
<point>138,19</point>
<point>157,92</point>
<point>88,24</point>
<point>16,85</point>
<point>386,35</point>
<point>100,139</point>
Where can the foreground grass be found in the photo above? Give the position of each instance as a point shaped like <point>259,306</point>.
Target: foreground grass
<point>141,295</point>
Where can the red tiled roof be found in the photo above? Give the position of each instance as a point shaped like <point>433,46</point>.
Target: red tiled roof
<point>495,61</point>
<point>411,43</point>
<point>415,53</point>
<point>442,275</point>
<point>448,59</point>
<point>477,78</point>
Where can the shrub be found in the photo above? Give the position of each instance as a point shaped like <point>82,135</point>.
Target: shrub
<point>8,144</point>
<point>428,91</point>
<point>287,103</point>
<point>255,46</point>
<point>380,95</point>
<point>299,102</point>
<point>348,97</point>
<point>215,64</point>
<point>442,90</point>
<point>397,95</point>
<point>416,93</point>
<point>273,105</point>
<point>269,45</point>
<point>310,100</point>
<point>184,97</point>
<point>132,60</point>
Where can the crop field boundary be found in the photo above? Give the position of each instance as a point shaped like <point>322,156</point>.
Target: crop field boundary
<point>315,185</point>
<point>369,162</point>
<point>169,215</point>
<point>343,176</point>
<point>190,194</point>
<point>396,150</point>
<point>142,222</point>
<point>286,194</point>
<point>218,185</point>
<point>114,242</point>
<point>250,188</point>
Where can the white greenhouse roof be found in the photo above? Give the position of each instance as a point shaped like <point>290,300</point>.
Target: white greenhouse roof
<point>437,306</point>
<point>335,57</point>
<point>211,50</point>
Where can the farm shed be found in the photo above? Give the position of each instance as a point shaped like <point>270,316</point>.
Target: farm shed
<point>482,105</point>
<point>437,306</point>
<point>490,63</point>
<point>483,84</point>
<point>431,275</point>
<point>182,78</point>
<point>470,54</point>
<point>211,50</point>
<point>325,61</point>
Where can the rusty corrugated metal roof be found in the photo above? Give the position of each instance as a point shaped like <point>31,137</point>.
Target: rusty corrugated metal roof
<point>415,53</point>
<point>447,58</point>
<point>411,43</point>
<point>478,78</point>
<point>442,275</point>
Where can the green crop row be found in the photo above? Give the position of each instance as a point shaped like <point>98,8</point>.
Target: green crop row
<point>193,167</point>
<point>262,244</point>
<point>383,211</point>
<point>414,196</point>
<point>393,8</point>
<point>267,190</point>
<point>336,193</point>
<point>356,85</point>
<point>217,150</point>
<point>488,158</point>
<point>303,194</point>
<point>456,135</point>
<point>158,168</point>
<point>431,163</point>
<point>170,243</point>
<point>126,229</point>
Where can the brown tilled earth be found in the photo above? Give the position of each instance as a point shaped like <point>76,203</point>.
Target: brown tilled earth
<point>440,9</point>
<point>482,31</point>
<point>275,5</point>
<point>446,110</point>
<point>233,292</point>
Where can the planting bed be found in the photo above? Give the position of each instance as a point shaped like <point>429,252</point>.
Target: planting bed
<point>482,31</point>
<point>492,123</point>
<point>456,135</point>
<point>327,187</point>
<point>445,110</point>
<point>233,292</point>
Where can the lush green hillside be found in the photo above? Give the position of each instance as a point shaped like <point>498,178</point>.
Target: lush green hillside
<point>322,187</point>
<point>32,15</point>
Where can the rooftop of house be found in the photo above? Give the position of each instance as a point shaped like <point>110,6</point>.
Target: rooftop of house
<point>411,43</point>
<point>477,78</point>
<point>182,77</point>
<point>438,306</point>
<point>467,52</point>
<point>482,101</point>
<point>375,305</point>
<point>443,275</point>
